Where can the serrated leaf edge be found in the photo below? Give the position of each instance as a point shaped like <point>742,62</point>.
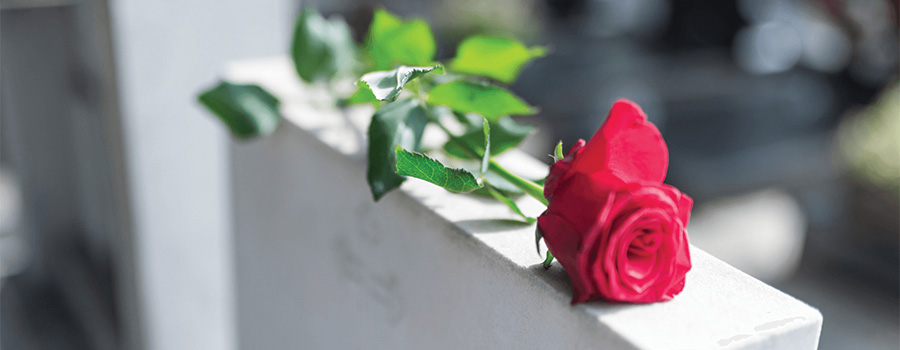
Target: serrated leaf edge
<point>407,76</point>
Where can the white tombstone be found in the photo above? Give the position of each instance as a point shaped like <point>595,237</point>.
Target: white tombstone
<point>319,265</point>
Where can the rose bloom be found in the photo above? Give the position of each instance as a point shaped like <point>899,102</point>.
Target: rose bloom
<point>617,230</point>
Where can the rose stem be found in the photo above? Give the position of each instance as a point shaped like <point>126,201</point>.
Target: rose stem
<point>548,261</point>
<point>527,186</point>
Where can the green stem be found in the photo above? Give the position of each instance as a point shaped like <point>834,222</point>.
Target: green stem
<point>527,186</point>
<point>548,261</point>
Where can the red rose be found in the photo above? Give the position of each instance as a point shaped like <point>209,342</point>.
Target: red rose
<point>614,226</point>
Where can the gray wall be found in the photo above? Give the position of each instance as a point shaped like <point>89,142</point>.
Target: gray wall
<point>166,52</point>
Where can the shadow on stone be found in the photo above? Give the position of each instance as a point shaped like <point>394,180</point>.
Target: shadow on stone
<point>557,278</point>
<point>480,226</point>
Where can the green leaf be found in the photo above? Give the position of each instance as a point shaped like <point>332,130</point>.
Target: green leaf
<point>497,58</point>
<point>386,85</point>
<point>395,124</point>
<point>248,110</point>
<point>490,101</point>
<point>486,158</point>
<point>420,166</point>
<point>470,120</point>
<point>361,96</point>
<point>321,48</point>
<point>505,134</point>
<point>392,40</point>
<point>558,152</point>
<point>505,199</point>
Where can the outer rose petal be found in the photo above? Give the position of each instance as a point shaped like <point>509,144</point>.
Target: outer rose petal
<point>685,203</point>
<point>560,169</point>
<point>627,145</point>
<point>579,198</point>
<point>680,268</point>
<point>561,238</point>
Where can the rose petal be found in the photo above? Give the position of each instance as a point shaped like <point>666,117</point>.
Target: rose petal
<point>593,242</point>
<point>560,169</point>
<point>685,203</point>
<point>627,145</point>
<point>565,242</point>
<point>640,282</point>
<point>579,199</point>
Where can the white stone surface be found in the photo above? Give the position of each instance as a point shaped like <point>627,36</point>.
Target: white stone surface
<point>319,265</point>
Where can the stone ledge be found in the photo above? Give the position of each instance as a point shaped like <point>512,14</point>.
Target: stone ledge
<point>319,265</point>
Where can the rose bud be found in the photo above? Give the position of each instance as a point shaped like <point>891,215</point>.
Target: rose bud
<point>617,230</point>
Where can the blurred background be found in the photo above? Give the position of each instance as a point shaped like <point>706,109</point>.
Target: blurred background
<point>782,118</point>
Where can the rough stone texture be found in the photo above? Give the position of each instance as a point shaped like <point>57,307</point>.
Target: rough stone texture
<point>320,265</point>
